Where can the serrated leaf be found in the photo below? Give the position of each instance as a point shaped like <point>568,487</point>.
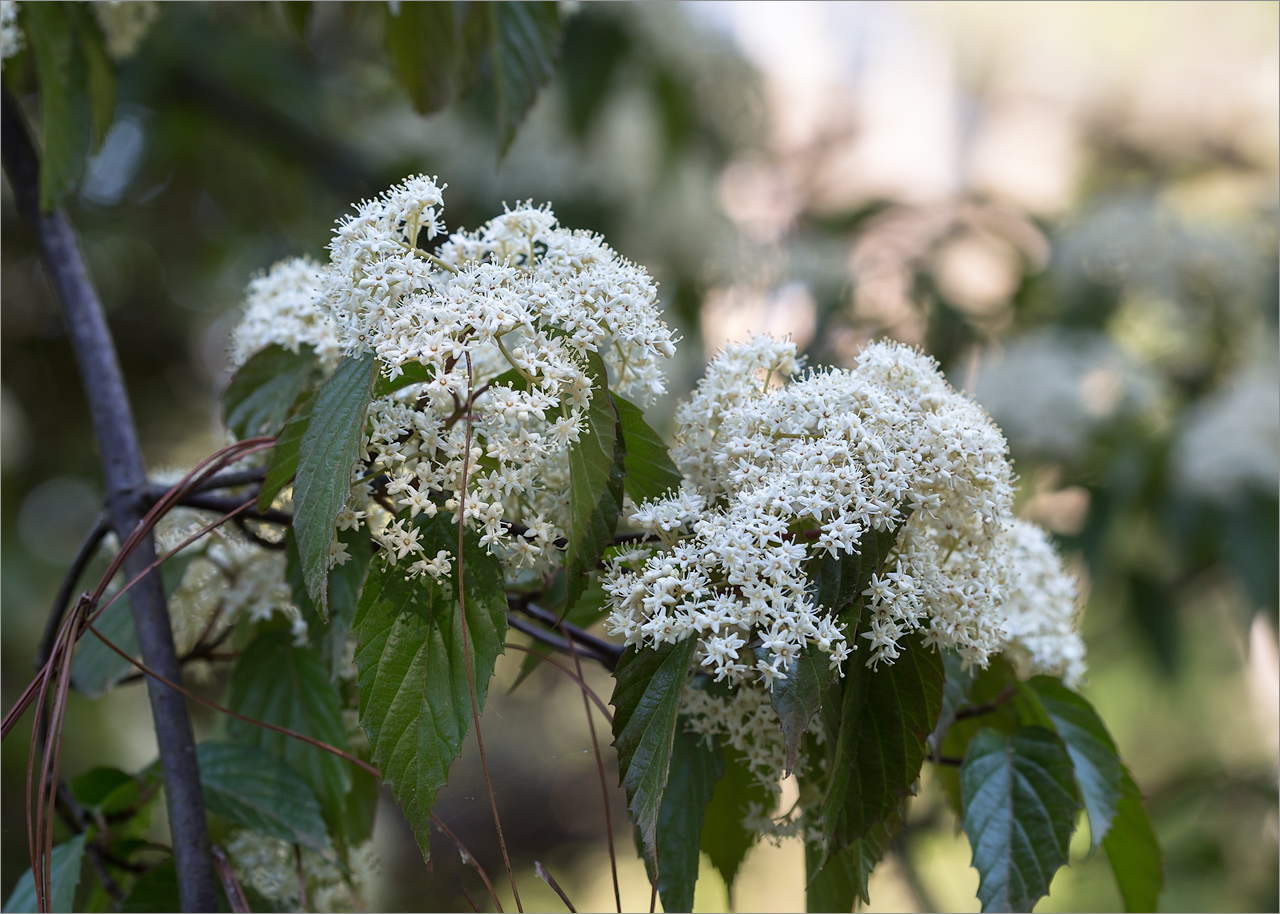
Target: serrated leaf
<point>886,718</point>
<point>64,106</point>
<point>96,669</point>
<point>695,769</point>
<point>1020,804</point>
<point>425,50</point>
<point>1093,752</point>
<point>725,840</point>
<point>283,464</point>
<point>798,698</point>
<point>326,456</point>
<point>595,485</point>
<point>64,876</point>
<point>278,682</point>
<point>648,684</point>
<point>264,389</point>
<point>524,41</point>
<point>251,787</point>
<point>415,703</point>
<point>650,472</point>
<point>836,880</point>
<point>1133,850</point>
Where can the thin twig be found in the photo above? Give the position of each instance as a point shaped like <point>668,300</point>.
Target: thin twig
<point>87,549</point>
<point>610,652</point>
<point>466,651</point>
<point>230,884</point>
<point>549,639</point>
<point>511,645</point>
<point>604,786</point>
<point>550,880</point>
<point>469,858</point>
<point>987,707</point>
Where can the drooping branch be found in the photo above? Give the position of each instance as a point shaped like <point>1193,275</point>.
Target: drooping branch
<point>124,474</point>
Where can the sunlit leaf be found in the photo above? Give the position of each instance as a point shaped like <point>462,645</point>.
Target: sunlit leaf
<point>1020,806</point>
<point>1134,851</point>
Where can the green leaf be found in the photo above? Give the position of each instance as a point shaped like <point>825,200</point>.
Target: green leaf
<point>101,73</point>
<point>279,683</point>
<point>1020,805</point>
<point>264,389</point>
<point>837,879</point>
<point>837,581</point>
<point>283,464</point>
<point>798,698</point>
<point>1099,773</point>
<point>524,41</point>
<point>426,50</point>
<point>107,790</point>
<point>695,768</point>
<point>64,876</point>
<point>1133,850</point>
<point>725,840</point>
<point>650,472</point>
<point>955,690</point>
<point>327,454</point>
<point>412,373</point>
<point>415,703</point>
<point>595,485</point>
<point>156,891</point>
<point>646,696</point>
<point>886,717</point>
<point>249,786</point>
<point>96,669</point>
<point>64,107</point>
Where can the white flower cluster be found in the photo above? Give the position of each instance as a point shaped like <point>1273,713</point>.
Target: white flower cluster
<point>1229,446</point>
<point>1039,605</point>
<point>12,40</point>
<point>280,309</point>
<point>125,23</point>
<point>783,469</point>
<point>501,323</point>
<point>270,867</point>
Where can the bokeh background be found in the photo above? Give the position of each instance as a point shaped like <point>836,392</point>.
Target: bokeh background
<point>1073,207</point>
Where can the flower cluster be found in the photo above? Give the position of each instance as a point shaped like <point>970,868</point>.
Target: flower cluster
<point>12,40</point>
<point>784,469</point>
<point>270,867</point>
<point>490,337</point>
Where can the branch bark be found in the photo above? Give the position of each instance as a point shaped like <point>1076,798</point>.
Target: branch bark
<point>124,475</point>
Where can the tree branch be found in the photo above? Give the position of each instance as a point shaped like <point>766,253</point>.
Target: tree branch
<point>124,474</point>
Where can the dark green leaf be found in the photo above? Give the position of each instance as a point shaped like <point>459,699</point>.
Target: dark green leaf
<point>284,456</point>
<point>646,697</point>
<point>955,690</point>
<point>595,485</point>
<point>650,472</point>
<point>413,372</point>
<point>279,683</point>
<point>425,47</point>
<point>798,698</point>
<point>96,668</point>
<point>695,768</point>
<point>155,892</point>
<point>524,40</point>
<point>101,73</point>
<point>107,790</point>
<point>251,787</point>
<point>64,106</point>
<point>1133,850</point>
<point>837,879</point>
<point>724,838</point>
<point>1093,752</point>
<point>1020,806</point>
<point>886,717</point>
<point>326,457</point>
<point>64,876</point>
<point>415,702</point>
<point>837,581</point>
<point>260,395</point>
